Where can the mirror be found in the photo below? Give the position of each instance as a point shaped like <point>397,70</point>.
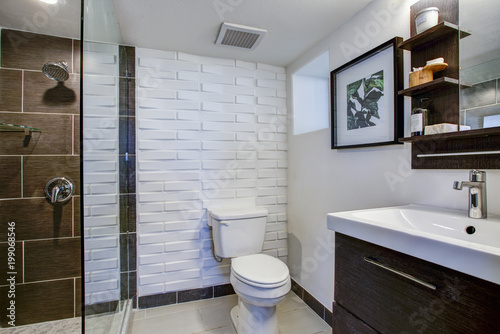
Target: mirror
<point>480,64</point>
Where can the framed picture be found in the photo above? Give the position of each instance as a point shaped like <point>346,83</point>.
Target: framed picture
<point>366,107</point>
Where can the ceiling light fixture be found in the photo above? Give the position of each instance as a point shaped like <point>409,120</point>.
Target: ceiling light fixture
<point>51,2</point>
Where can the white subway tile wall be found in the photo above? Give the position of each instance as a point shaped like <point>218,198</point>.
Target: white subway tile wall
<point>100,141</point>
<point>207,129</point>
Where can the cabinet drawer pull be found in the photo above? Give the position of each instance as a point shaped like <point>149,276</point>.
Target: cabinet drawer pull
<point>400,273</point>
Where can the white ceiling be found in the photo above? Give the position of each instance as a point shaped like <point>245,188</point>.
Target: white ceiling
<point>192,26</point>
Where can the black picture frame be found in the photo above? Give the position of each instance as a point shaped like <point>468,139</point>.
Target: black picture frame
<point>350,127</point>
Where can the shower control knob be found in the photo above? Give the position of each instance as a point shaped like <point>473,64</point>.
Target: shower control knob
<point>59,190</point>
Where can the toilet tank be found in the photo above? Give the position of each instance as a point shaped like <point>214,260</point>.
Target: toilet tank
<point>238,231</point>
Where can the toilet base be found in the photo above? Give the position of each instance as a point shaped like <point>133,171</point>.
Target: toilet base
<point>251,319</point>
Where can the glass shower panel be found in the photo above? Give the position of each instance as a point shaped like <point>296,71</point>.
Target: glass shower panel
<point>108,172</point>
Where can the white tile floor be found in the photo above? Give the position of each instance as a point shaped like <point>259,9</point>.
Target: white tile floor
<point>211,316</point>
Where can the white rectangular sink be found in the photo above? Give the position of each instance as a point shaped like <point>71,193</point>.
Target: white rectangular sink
<point>442,236</point>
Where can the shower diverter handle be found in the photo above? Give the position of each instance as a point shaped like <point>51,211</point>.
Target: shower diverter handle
<point>59,190</point>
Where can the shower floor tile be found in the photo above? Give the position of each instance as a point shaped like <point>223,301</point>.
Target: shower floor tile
<point>211,316</point>
<point>66,326</point>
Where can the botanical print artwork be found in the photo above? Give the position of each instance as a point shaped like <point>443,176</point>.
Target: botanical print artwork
<point>362,101</point>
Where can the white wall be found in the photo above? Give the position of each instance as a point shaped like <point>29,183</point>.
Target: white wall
<point>324,180</point>
<point>209,131</point>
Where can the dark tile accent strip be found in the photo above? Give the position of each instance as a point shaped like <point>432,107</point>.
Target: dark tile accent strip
<point>132,254</point>
<point>127,135</point>
<point>127,179</point>
<point>127,97</point>
<point>223,290</point>
<point>128,255</point>
<point>313,303</point>
<point>299,291</point>
<point>184,296</point>
<point>328,317</point>
<point>127,213</point>
<point>128,282</point>
<point>195,294</point>
<point>99,308</point>
<point>127,61</point>
<point>162,299</point>
<point>127,174</point>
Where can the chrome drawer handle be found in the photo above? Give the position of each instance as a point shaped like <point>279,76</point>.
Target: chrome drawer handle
<point>400,273</point>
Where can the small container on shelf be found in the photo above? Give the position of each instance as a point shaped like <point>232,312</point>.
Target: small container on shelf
<point>425,74</point>
<point>419,118</point>
<point>440,128</point>
<point>426,18</point>
<point>421,76</point>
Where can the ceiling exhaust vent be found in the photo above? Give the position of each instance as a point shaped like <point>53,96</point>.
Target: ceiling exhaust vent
<point>239,36</point>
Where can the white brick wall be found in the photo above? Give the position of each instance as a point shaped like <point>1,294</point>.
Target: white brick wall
<point>208,130</point>
<point>100,189</point>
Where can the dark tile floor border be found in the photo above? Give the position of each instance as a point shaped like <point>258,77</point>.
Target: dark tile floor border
<point>313,303</point>
<point>100,308</point>
<point>184,296</point>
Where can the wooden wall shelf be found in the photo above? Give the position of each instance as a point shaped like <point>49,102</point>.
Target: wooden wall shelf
<point>432,86</point>
<point>440,30</point>
<point>454,135</point>
<point>473,149</point>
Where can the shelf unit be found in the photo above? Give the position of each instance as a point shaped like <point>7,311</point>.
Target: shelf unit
<point>454,135</point>
<point>433,86</point>
<point>473,149</point>
<point>440,30</point>
<point>456,150</point>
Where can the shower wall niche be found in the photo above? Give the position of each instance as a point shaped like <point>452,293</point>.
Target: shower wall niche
<point>48,265</point>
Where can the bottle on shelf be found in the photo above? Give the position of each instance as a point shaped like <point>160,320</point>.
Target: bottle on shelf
<point>419,117</point>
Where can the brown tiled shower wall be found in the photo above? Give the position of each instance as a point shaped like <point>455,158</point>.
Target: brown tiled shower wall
<point>47,237</point>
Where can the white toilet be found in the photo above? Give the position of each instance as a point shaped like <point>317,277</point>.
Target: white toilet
<point>260,281</point>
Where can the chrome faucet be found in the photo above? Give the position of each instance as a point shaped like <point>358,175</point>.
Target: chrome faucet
<point>477,193</point>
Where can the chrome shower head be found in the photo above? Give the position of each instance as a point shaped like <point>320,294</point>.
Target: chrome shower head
<point>56,71</point>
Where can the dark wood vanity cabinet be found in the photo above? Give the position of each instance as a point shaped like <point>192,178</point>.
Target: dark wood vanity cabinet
<point>378,290</point>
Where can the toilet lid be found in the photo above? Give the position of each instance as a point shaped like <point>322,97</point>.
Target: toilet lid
<point>260,269</point>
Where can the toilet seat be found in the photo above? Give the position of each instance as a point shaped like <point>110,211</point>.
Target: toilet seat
<point>260,270</point>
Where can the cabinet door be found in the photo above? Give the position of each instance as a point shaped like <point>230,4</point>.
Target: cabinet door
<point>394,293</point>
<point>346,323</point>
